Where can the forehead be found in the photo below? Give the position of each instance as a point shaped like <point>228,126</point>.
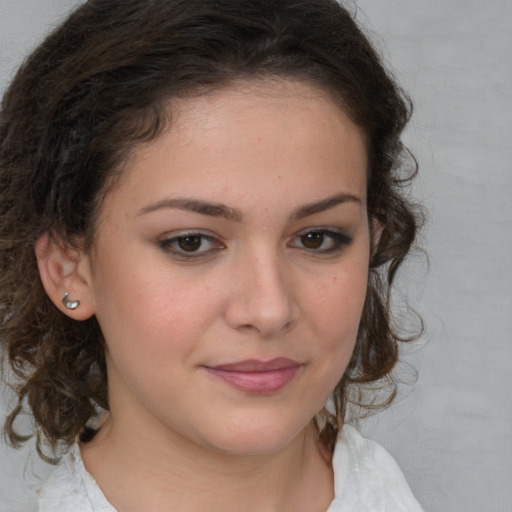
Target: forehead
<point>262,99</point>
<point>229,143</point>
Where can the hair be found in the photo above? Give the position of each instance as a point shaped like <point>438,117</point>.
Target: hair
<point>102,83</point>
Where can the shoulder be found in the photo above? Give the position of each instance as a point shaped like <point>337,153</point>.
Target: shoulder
<point>70,488</point>
<point>367,478</point>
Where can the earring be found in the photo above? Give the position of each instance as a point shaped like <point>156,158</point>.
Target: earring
<point>70,304</point>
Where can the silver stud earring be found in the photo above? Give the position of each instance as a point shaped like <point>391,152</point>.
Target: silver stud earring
<point>70,304</point>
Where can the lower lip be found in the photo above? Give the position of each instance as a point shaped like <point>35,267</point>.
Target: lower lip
<point>261,382</point>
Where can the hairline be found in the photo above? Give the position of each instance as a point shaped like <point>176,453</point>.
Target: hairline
<point>165,105</point>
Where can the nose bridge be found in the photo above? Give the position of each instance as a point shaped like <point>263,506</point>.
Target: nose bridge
<point>264,298</point>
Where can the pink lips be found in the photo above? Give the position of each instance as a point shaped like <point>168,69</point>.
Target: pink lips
<point>254,376</point>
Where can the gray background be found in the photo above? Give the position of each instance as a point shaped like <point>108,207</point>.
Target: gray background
<point>451,432</point>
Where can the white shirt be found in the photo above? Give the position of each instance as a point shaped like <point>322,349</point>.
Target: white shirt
<point>366,479</point>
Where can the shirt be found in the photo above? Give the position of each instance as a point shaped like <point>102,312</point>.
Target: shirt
<point>366,479</point>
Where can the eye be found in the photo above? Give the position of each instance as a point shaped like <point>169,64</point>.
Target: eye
<point>191,245</point>
<point>322,241</point>
<point>313,240</point>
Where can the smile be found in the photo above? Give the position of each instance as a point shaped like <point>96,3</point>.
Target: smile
<point>257,377</point>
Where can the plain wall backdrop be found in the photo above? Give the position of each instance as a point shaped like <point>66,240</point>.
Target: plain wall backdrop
<point>451,431</point>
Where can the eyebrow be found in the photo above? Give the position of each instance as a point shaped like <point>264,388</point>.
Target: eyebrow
<point>323,205</point>
<point>197,206</point>
<point>221,210</point>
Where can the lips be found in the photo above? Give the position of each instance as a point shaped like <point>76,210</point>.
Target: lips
<point>254,376</point>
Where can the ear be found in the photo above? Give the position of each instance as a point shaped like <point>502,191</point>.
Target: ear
<point>376,229</point>
<point>65,269</point>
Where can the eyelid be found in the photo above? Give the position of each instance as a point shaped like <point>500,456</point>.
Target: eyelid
<point>340,238</point>
<point>166,242</point>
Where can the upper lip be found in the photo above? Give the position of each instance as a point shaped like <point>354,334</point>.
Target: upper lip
<point>255,365</point>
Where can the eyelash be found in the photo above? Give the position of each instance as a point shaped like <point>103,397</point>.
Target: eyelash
<point>338,241</point>
<point>172,245</point>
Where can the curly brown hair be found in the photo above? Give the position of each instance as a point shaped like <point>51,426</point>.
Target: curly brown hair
<point>100,84</point>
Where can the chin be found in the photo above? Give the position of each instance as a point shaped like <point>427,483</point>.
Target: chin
<point>255,438</point>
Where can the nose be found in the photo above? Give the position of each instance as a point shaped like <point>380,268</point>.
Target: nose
<point>263,297</point>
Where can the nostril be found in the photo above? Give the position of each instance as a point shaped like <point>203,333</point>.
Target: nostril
<point>247,328</point>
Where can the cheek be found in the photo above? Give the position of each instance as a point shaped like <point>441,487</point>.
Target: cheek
<point>153,336</point>
<point>336,314</point>
<point>333,316</point>
<point>144,306</point>
<point>337,307</point>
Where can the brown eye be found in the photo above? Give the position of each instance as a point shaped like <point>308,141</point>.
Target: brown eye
<point>321,242</point>
<point>190,243</point>
<point>191,246</point>
<point>313,240</point>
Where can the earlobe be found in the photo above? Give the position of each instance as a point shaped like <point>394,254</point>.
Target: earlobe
<point>65,276</point>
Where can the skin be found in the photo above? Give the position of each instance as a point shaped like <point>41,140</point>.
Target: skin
<point>268,276</point>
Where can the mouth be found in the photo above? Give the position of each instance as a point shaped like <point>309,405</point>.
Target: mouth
<point>257,377</point>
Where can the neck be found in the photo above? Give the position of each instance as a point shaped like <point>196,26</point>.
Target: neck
<point>140,469</point>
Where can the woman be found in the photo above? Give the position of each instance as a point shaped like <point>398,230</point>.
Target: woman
<point>201,216</point>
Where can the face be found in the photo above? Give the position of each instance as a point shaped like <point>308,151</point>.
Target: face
<point>229,268</point>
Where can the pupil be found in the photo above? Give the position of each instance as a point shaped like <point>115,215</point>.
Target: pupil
<point>190,243</point>
<point>312,240</point>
